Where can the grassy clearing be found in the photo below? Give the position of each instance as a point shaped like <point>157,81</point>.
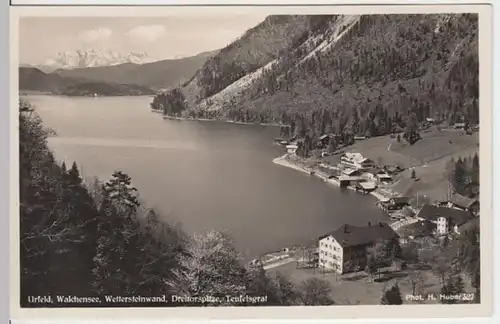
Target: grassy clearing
<point>351,289</point>
<point>429,157</point>
<point>436,145</point>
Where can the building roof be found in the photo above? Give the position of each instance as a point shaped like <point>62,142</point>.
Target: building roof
<point>349,235</point>
<point>458,217</point>
<point>462,201</point>
<point>364,160</point>
<point>400,200</point>
<point>415,229</point>
<point>354,156</point>
<point>368,185</point>
<point>383,175</point>
<point>349,178</point>
<point>349,172</point>
<point>322,137</point>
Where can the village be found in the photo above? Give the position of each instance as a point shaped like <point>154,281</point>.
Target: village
<point>418,222</point>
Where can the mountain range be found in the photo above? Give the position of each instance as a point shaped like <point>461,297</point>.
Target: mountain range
<point>125,78</point>
<point>156,75</point>
<point>92,57</point>
<point>364,74</point>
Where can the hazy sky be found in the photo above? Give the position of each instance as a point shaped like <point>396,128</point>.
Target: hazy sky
<point>161,37</point>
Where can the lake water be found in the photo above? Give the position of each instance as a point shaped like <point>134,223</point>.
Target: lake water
<point>205,175</point>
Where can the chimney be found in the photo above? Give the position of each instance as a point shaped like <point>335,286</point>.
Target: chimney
<point>369,224</point>
<point>345,229</point>
<point>381,225</point>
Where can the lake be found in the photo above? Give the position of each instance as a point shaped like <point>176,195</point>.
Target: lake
<point>203,175</point>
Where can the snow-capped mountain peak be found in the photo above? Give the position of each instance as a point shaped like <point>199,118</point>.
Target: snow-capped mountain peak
<point>94,58</point>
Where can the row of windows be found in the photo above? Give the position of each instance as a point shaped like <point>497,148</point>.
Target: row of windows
<point>330,254</point>
<point>329,246</point>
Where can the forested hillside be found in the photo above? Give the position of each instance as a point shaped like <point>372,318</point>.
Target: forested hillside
<point>32,79</point>
<point>362,75</point>
<point>255,48</point>
<point>97,242</point>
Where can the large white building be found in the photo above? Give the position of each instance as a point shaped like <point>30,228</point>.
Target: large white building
<point>356,161</point>
<point>344,250</point>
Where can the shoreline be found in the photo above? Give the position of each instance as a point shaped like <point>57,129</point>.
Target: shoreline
<point>216,120</point>
<point>284,162</point>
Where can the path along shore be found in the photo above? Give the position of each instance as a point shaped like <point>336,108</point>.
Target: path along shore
<point>217,120</point>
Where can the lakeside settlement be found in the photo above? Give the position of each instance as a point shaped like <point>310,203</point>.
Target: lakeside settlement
<point>411,181</point>
<point>351,170</point>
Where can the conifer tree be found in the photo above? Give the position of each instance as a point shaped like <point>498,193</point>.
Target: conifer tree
<point>392,296</point>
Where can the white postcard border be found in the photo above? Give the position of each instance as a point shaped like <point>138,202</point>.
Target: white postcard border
<point>317,312</point>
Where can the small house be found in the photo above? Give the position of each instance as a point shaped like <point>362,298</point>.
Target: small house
<point>351,172</point>
<point>461,202</point>
<point>383,177</point>
<point>369,176</point>
<point>394,203</point>
<point>366,186</point>
<point>346,181</point>
<point>459,126</point>
<point>445,219</point>
<point>392,169</point>
<point>291,148</point>
<point>323,140</point>
<point>430,120</point>
<point>414,231</point>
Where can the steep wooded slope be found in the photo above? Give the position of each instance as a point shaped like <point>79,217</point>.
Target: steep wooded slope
<point>362,74</point>
<point>256,47</point>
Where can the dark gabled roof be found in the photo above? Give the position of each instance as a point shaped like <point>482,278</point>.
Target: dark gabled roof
<point>349,235</point>
<point>458,217</point>
<point>462,201</point>
<point>413,229</point>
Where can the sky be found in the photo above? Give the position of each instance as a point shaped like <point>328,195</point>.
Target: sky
<point>41,38</point>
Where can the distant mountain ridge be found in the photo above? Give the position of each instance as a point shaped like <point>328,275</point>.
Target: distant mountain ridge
<point>157,75</point>
<point>33,79</point>
<point>92,58</point>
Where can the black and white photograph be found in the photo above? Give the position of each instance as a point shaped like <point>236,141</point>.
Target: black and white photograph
<point>232,159</point>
